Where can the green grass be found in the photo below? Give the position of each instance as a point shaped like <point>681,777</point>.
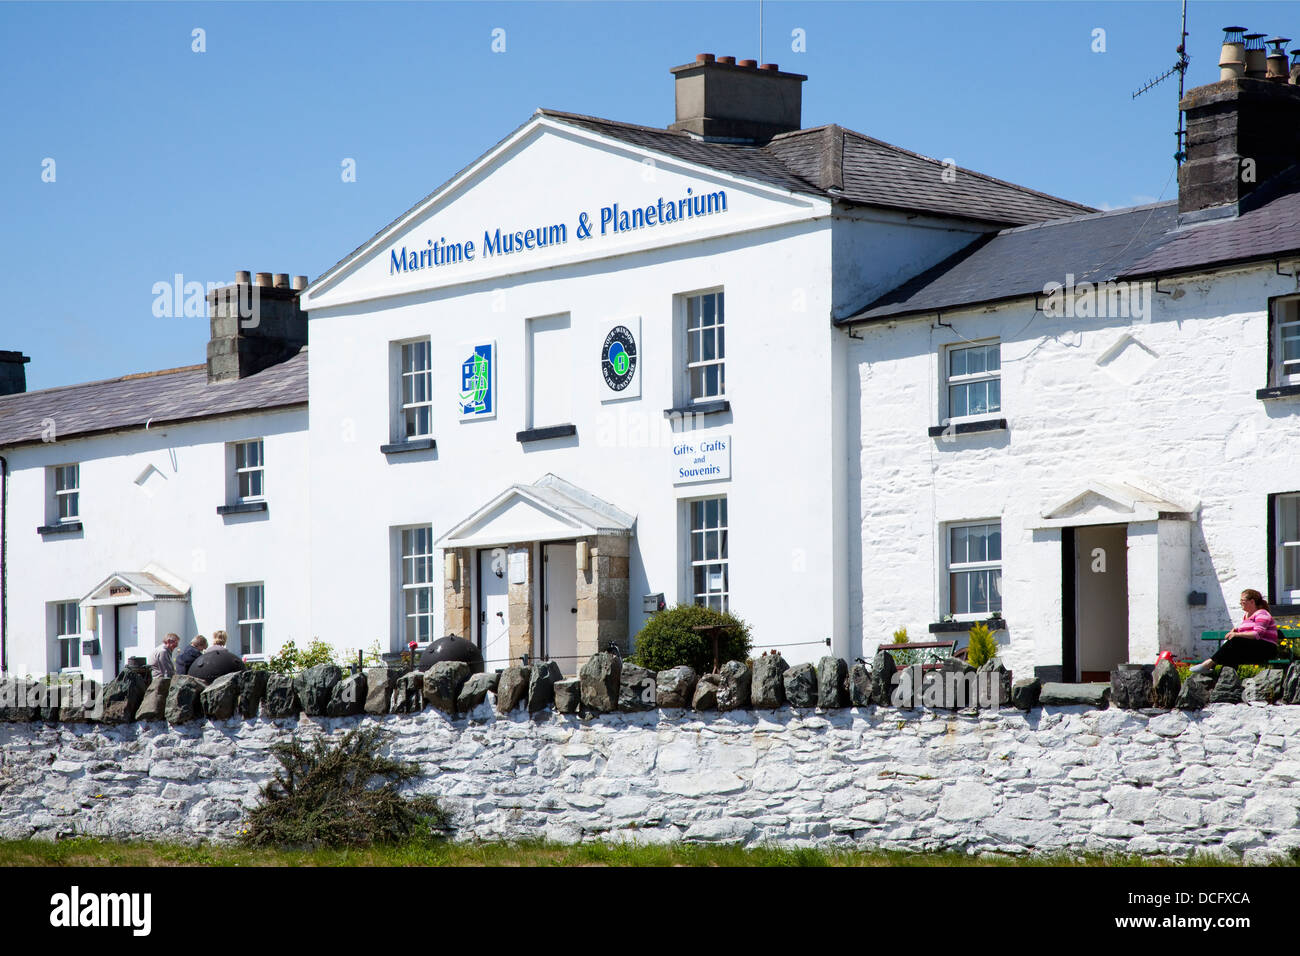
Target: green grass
<point>89,851</point>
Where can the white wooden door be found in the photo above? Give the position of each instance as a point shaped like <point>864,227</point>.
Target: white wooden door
<point>493,610</point>
<point>560,605</point>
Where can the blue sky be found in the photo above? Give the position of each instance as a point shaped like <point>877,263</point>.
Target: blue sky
<point>171,161</point>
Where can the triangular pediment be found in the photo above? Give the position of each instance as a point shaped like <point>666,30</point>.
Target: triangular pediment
<point>1107,501</point>
<point>574,189</point>
<point>136,587</point>
<point>549,510</point>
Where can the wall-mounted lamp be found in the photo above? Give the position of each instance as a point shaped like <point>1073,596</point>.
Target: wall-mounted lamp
<point>450,567</point>
<point>584,556</point>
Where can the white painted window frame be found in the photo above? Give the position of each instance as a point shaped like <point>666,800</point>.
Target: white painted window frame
<point>952,567</point>
<point>1285,325</point>
<point>1282,544</point>
<point>950,380</point>
<point>722,561</point>
<point>408,413</point>
<point>408,541</point>
<point>256,624</point>
<point>69,493</point>
<point>67,638</point>
<point>717,332</point>
<point>240,452</point>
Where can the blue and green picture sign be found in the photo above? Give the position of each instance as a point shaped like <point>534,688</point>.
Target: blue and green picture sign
<point>478,382</point>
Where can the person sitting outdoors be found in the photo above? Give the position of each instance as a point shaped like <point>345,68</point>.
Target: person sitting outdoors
<point>191,654</point>
<point>217,661</point>
<point>161,660</point>
<point>1253,641</point>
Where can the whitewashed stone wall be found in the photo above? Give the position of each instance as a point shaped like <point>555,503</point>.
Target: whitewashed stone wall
<point>1223,780</point>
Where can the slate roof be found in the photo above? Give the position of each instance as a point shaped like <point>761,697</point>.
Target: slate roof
<point>1020,262</point>
<point>826,161</point>
<point>175,395</point>
<point>1261,233</point>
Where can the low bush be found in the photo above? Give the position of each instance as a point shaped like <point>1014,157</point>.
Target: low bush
<point>290,660</point>
<point>903,658</point>
<point>324,796</point>
<point>982,646</point>
<point>667,640</point>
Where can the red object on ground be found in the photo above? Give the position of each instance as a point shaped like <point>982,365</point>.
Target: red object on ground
<point>1165,656</point>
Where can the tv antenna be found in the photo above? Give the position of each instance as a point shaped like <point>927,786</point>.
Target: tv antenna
<point>1179,67</point>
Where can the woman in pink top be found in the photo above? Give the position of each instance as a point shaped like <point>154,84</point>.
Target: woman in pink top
<point>1253,641</point>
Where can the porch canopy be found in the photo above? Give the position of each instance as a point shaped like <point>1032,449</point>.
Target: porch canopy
<point>136,587</point>
<point>1119,501</point>
<point>550,509</point>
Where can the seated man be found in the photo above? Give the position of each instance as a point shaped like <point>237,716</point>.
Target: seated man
<point>191,654</point>
<point>161,659</point>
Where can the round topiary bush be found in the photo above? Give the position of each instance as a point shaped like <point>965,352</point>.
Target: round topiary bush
<point>667,640</point>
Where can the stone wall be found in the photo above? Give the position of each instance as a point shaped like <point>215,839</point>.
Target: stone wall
<point>1223,779</point>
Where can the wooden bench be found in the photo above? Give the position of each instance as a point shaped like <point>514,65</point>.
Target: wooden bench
<point>1288,638</point>
<point>936,651</point>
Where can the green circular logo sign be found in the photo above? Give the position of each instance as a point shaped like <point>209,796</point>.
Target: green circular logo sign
<point>618,358</point>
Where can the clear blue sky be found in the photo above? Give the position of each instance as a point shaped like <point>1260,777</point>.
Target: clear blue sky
<point>169,161</point>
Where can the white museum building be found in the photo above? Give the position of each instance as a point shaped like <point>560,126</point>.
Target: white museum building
<point>826,383</point>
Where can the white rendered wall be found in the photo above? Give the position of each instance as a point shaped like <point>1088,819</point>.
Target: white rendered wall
<point>1185,416</point>
<point>772,255</point>
<point>172,522</point>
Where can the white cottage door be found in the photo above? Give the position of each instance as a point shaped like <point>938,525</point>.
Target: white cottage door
<point>493,610</point>
<point>560,605</point>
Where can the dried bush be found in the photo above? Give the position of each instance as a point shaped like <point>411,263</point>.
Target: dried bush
<point>325,795</point>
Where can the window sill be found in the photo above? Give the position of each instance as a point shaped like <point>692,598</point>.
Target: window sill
<point>402,447</point>
<point>542,434</point>
<point>1284,610</point>
<point>952,627</point>
<point>699,408</point>
<point>968,428</point>
<point>68,527</point>
<point>1278,391</point>
<point>243,508</point>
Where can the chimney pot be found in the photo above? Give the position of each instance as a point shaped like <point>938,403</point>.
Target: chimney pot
<point>1256,57</point>
<point>704,58</point>
<point>750,64</point>
<point>282,280</point>
<point>243,278</point>
<point>728,60</point>
<point>769,66</point>
<point>299,283</point>
<point>264,279</point>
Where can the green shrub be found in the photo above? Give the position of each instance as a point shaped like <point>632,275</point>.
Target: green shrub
<point>904,658</point>
<point>290,660</point>
<point>324,797</point>
<point>982,646</point>
<point>667,640</point>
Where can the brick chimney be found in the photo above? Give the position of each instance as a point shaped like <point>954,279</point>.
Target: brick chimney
<point>13,378</point>
<point>255,324</point>
<point>723,101</point>
<point>1241,132</point>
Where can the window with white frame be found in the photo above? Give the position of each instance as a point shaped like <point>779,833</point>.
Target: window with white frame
<point>67,493</point>
<point>250,471</point>
<point>67,634</point>
<point>974,380</point>
<point>416,592</point>
<point>975,568</point>
<point>250,614</point>
<point>706,347</point>
<point>710,584</point>
<point>1285,347</point>
<point>415,392</point>
<point>1286,544</point>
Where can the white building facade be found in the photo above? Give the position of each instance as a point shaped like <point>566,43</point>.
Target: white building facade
<point>829,385</point>
<point>170,502</point>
